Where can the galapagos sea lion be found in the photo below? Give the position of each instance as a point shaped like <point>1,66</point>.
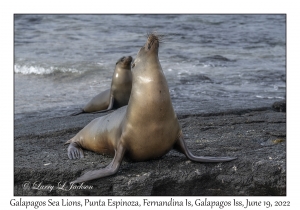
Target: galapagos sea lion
<point>145,129</point>
<point>119,93</point>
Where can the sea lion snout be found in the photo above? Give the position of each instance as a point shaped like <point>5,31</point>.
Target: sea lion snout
<point>125,61</point>
<point>128,59</point>
<point>153,40</point>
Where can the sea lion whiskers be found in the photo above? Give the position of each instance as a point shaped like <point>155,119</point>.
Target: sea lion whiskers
<point>152,37</point>
<point>156,36</point>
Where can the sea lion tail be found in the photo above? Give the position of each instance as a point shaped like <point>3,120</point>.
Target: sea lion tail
<point>77,113</point>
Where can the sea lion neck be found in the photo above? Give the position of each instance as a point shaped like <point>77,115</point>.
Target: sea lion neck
<point>148,77</point>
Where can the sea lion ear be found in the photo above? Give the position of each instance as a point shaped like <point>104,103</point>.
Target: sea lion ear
<point>133,65</point>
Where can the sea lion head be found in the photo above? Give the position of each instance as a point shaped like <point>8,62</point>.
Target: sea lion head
<point>124,62</point>
<point>149,50</point>
<point>152,42</point>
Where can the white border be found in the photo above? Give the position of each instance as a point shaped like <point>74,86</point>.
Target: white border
<point>214,7</point>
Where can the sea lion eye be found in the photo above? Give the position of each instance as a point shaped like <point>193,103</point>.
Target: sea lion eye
<point>133,65</point>
<point>120,60</point>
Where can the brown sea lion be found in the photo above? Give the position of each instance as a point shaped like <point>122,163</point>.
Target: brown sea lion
<point>119,93</point>
<point>147,128</point>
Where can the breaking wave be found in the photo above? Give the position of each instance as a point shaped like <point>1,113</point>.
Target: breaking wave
<point>39,70</point>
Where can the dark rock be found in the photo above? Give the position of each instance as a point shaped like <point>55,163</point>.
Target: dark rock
<point>194,79</point>
<point>216,58</point>
<point>256,138</point>
<point>279,106</point>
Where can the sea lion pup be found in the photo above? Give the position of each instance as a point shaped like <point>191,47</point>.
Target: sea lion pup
<point>119,93</point>
<point>145,129</point>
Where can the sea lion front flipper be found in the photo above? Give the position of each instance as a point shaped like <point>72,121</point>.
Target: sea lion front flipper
<point>181,147</point>
<point>77,113</point>
<point>111,169</point>
<point>75,151</point>
<point>110,106</point>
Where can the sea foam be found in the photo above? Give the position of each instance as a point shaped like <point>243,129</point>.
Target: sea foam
<point>24,69</point>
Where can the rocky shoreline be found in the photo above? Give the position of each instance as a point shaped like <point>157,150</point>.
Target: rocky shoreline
<point>257,137</point>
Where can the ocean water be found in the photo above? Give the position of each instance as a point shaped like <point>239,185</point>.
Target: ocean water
<point>212,62</point>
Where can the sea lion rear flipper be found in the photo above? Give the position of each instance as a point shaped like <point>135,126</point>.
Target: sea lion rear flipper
<point>181,147</point>
<point>77,113</point>
<point>110,106</point>
<point>74,151</point>
<point>111,169</point>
